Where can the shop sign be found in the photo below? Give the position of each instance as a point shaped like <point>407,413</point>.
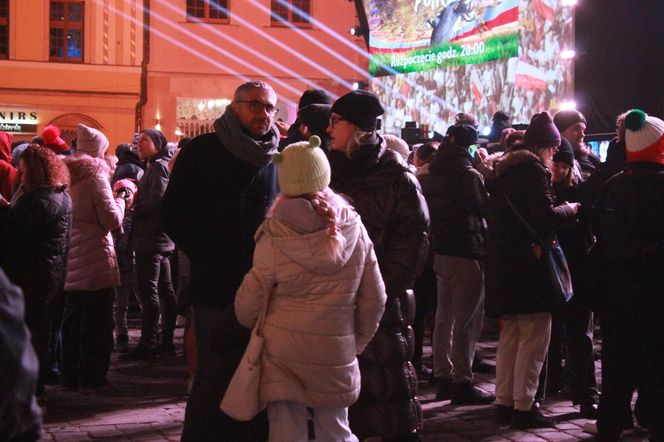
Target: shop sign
<point>19,122</point>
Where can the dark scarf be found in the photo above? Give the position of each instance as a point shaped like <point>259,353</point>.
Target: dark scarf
<point>257,152</point>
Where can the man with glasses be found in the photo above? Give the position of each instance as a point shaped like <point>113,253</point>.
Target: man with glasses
<point>219,191</point>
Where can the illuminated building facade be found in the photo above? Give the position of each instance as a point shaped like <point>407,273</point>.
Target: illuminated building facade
<point>66,62</point>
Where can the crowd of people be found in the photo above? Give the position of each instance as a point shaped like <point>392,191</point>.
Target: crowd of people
<point>338,242</point>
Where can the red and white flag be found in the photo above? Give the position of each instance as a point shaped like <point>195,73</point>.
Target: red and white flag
<point>529,77</point>
<point>545,8</point>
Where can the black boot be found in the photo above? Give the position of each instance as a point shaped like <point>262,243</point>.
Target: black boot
<point>523,420</point>
<point>466,394</point>
<point>443,389</point>
<point>504,414</point>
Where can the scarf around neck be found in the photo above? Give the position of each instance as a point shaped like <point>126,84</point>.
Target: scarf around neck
<point>257,152</point>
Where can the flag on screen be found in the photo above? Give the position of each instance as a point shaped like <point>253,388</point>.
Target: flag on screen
<point>504,13</point>
<point>545,8</point>
<point>529,77</point>
<point>476,86</point>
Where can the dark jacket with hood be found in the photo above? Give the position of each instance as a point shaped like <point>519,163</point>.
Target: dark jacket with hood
<point>212,207</point>
<point>147,226</point>
<point>517,281</point>
<point>458,203</point>
<point>386,194</point>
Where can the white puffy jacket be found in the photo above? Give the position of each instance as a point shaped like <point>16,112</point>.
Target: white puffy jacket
<point>323,310</point>
<point>92,264</point>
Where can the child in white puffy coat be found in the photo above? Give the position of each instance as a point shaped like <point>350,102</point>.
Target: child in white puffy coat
<point>326,297</point>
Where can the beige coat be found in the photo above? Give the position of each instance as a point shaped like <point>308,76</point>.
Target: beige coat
<point>92,264</point>
<point>322,312</point>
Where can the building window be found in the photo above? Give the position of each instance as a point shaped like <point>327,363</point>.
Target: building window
<point>66,31</point>
<point>212,11</point>
<point>4,29</point>
<point>291,11</point>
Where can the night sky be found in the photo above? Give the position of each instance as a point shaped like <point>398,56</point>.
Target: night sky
<point>620,59</point>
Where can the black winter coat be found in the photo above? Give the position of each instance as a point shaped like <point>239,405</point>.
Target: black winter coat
<point>516,281</point>
<point>387,196</point>
<point>212,207</point>
<point>147,225</point>
<point>39,231</point>
<point>458,203</point>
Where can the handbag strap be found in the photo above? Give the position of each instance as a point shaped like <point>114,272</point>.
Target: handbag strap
<point>523,220</point>
<point>260,322</point>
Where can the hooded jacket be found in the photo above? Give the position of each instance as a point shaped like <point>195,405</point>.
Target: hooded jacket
<point>8,173</point>
<point>148,233</point>
<point>92,264</point>
<point>323,310</point>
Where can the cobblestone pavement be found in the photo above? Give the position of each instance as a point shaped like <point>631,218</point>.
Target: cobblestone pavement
<point>146,401</point>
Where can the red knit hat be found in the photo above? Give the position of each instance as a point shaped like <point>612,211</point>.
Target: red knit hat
<point>52,140</point>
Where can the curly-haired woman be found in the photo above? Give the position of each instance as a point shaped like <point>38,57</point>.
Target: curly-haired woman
<point>39,231</point>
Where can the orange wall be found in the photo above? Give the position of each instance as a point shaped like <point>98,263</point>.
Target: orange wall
<point>104,87</point>
<point>208,61</point>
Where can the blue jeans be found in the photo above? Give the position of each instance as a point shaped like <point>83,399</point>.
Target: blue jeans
<point>220,343</point>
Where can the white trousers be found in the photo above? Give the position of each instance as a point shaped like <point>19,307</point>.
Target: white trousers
<point>524,340</point>
<point>459,316</point>
<point>288,423</point>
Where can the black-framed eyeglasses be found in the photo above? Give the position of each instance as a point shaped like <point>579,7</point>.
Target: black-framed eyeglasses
<point>334,120</point>
<point>256,107</point>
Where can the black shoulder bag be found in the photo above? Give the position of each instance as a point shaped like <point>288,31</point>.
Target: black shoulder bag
<point>553,258</point>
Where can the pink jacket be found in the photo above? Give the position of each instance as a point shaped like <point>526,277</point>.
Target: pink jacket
<point>322,312</point>
<point>92,264</point>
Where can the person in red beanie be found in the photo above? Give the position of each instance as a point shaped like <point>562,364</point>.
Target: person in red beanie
<point>517,285</point>
<point>53,141</point>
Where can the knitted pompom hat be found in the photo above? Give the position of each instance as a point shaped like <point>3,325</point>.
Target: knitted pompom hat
<point>52,139</point>
<point>302,168</point>
<point>644,137</point>
<point>91,141</point>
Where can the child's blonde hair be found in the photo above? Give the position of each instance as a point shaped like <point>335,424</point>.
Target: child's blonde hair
<point>328,205</point>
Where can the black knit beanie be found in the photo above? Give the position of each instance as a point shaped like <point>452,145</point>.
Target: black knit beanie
<point>565,118</point>
<point>157,138</point>
<point>359,107</point>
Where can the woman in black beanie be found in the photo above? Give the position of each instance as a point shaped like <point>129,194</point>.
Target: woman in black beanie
<point>387,196</point>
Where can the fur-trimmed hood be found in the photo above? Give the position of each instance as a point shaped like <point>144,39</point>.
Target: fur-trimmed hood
<point>82,166</point>
<point>494,165</point>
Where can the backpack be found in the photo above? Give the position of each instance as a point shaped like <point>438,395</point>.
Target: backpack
<point>627,214</point>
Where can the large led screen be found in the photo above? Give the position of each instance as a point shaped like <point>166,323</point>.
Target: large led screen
<point>431,59</point>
